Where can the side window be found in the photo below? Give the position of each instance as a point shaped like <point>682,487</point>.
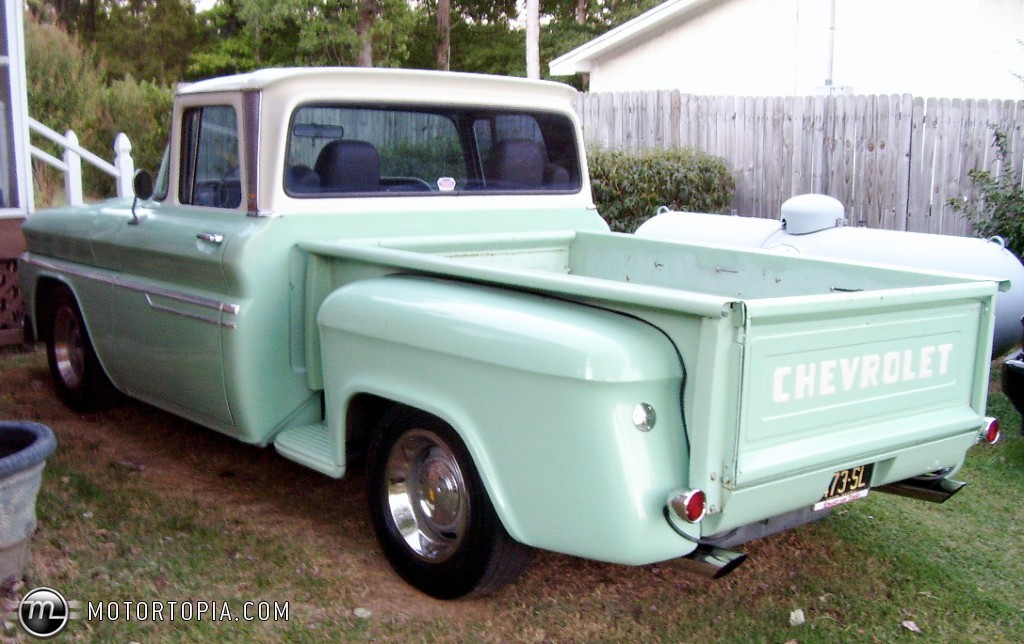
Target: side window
<point>209,161</point>
<point>526,152</point>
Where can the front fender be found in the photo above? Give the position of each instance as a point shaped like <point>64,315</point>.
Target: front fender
<point>541,390</point>
<point>39,276</point>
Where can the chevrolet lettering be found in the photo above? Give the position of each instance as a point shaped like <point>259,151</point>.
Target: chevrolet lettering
<point>407,268</point>
<point>828,377</point>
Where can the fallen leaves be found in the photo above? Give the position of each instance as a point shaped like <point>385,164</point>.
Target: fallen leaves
<point>910,626</point>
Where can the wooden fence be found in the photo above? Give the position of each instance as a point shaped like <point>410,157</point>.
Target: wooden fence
<point>893,161</point>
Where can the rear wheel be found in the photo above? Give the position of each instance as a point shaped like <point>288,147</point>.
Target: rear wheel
<point>432,515</point>
<point>77,374</point>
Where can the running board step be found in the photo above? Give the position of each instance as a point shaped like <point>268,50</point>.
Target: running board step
<point>310,445</point>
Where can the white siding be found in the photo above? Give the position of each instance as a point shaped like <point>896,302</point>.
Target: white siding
<point>949,48</point>
<point>748,42</point>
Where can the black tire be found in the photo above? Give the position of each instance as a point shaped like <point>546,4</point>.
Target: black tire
<point>433,518</point>
<point>79,379</point>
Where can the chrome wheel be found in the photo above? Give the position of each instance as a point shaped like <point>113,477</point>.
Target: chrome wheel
<point>68,348</point>
<point>430,510</point>
<point>76,372</point>
<point>427,495</point>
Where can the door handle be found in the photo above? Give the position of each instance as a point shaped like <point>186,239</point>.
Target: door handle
<point>213,238</point>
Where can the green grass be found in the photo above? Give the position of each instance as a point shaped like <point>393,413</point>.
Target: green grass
<point>137,505</point>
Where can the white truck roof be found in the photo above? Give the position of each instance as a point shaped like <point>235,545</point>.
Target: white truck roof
<point>393,85</point>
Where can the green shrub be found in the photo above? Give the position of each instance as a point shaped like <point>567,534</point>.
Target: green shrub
<point>1001,209</point>
<point>64,80</point>
<point>629,187</point>
<point>67,91</point>
<point>407,159</point>
<point>64,83</point>
<point>142,110</point>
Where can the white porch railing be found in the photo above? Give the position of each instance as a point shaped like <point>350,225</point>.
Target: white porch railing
<point>123,168</point>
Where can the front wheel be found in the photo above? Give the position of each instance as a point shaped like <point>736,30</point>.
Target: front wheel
<point>432,515</point>
<point>77,374</point>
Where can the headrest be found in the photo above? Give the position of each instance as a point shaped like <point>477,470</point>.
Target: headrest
<point>517,162</point>
<point>349,166</point>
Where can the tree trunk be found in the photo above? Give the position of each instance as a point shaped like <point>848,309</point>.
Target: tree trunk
<point>444,34</point>
<point>368,10</point>
<point>88,25</point>
<point>581,12</point>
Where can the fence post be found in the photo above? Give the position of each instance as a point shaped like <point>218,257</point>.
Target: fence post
<point>125,165</point>
<point>73,174</point>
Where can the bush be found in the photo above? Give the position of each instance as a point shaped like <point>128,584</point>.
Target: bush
<point>64,84</point>
<point>64,80</point>
<point>630,187</point>
<point>1001,209</point>
<point>142,110</point>
<point>67,91</point>
<point>408,159</point>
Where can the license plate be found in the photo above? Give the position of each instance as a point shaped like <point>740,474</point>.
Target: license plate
<point>847,485</point>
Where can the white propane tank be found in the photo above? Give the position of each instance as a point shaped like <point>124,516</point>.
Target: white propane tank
<point>811,213</point>
<point>814,225</point>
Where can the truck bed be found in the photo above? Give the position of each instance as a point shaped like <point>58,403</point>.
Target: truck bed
<point>630,269</point>
<point>806,367</point>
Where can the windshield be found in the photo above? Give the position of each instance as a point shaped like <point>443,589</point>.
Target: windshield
<point>346,150</point>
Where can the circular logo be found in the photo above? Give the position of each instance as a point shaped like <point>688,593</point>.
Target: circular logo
<point>43,612</point>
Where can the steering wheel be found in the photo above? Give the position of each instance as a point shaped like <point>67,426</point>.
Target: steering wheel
<point>229,189</point>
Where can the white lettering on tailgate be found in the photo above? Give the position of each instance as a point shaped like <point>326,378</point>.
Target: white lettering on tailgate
<point>832,376</point>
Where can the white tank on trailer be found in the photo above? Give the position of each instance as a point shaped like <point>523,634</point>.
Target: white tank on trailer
<point>815,225</point>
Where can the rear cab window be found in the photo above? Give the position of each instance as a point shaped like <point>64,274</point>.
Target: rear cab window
<point>352,150</point>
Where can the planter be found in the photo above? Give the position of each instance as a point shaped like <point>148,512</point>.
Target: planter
<point>24,448</point>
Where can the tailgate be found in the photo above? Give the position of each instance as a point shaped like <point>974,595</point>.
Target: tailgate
<point>830,381</point>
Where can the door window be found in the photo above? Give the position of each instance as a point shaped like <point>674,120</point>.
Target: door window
<point>210,173</point>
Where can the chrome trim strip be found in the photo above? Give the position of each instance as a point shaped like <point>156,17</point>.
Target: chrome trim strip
<point>147,290</point>
<point>191,316</point>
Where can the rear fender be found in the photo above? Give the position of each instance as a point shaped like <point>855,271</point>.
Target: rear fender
<point>542,392</point>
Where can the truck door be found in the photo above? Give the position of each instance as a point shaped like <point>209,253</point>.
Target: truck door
<point>179,303</point>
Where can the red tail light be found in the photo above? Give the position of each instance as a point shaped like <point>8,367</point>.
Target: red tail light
<point>691,506</point>
<point>990,430</point>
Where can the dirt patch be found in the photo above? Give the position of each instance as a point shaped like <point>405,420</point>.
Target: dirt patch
<point>255,493</point>
<point>252,487</point>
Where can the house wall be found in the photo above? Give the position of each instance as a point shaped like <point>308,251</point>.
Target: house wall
<point>942,48</point>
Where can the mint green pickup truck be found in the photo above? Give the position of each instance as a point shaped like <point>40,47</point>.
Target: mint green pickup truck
<point>408,268</point>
